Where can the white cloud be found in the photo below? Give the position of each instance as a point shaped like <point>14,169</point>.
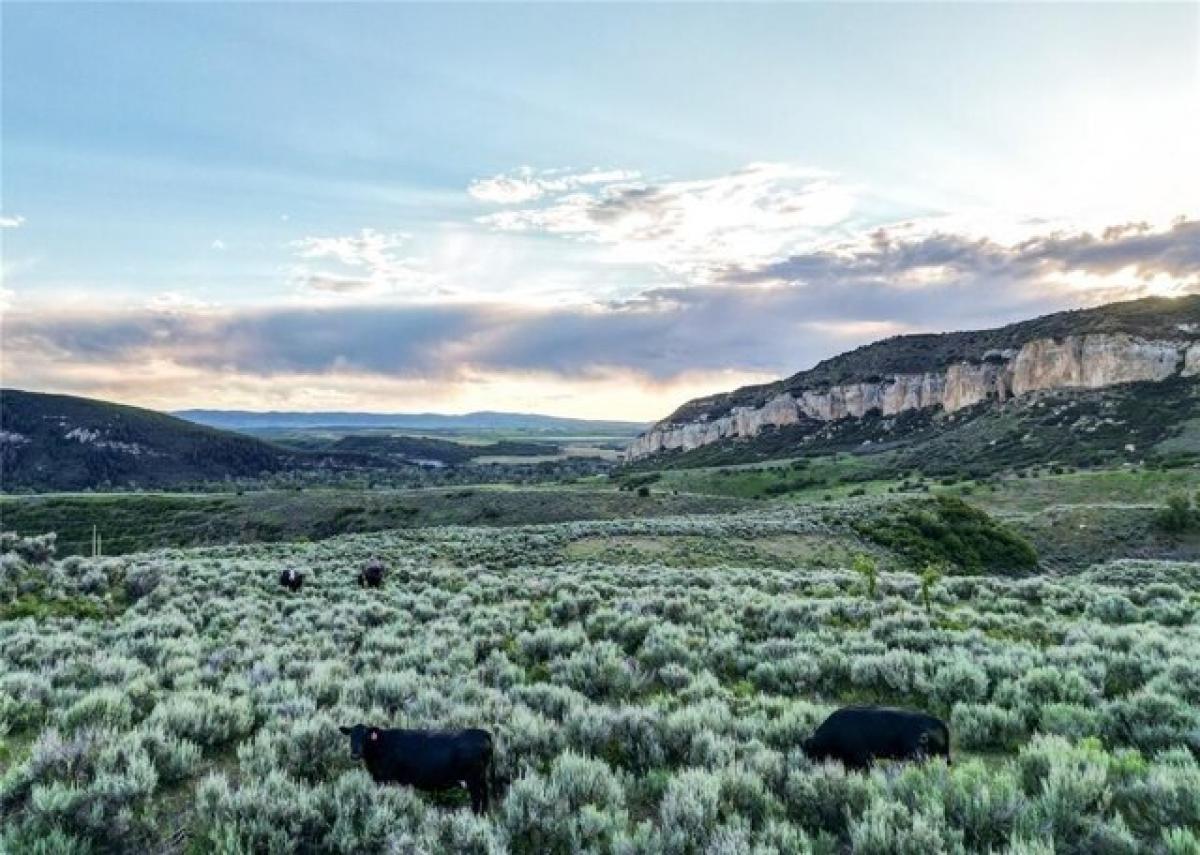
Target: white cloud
<point>692,228</point>
<point>219,245</point>
<point>526,184</point>
<point>365,264</point>
<point>13,221</point>
<point>368,248</point>
<point>175,302</point>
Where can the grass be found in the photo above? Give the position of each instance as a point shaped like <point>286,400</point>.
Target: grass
<point>135,522</point>
<point>795,477</point>
<point>813,550</point>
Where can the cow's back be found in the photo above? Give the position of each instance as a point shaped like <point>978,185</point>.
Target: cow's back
<point>432,759</point>
<point>857,734</point>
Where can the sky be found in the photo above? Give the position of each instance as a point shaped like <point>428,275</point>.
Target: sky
<point>591,210</point>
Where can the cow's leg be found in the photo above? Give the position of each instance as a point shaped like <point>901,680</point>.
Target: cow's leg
<point>478,790</point>
<point>858,762</point>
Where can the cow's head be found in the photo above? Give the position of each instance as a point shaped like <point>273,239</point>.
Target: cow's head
<point>360,735</point>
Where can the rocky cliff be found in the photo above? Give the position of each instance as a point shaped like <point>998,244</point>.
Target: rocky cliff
<point>1166,345</point>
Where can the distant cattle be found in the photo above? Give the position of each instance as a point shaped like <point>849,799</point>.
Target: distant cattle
<point>858,736</point>
<point>371,576</point>
<point>426,759</point>
<point>291,579</point>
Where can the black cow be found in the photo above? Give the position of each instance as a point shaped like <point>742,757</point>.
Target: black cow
<point>426,759</point>
<point>860,735</point>
<point>371,576</point>
<point>291,579</point>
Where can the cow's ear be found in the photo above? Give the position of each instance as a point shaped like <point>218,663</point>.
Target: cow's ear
<point>345,730</point>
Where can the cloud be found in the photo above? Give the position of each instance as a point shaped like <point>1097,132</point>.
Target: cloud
<point>368,248</point>
<point>526,184</point>
<point>772,279</point>
<point>14,221</point>
<point>691,228</point>
<point>1130,260</point>
<point>587,361</point>
<point>365,264</point>
<point>219,245</point>
<point>775,319</point>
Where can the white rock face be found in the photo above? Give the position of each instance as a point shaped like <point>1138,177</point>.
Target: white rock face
<point>1191,361</point>
<point>1087,361</point>
<point>1092,362</point>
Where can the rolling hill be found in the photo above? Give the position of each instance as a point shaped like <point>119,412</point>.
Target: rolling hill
<point>61,442</point>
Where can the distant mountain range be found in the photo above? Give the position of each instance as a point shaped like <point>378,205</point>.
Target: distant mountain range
<point>243,420</point>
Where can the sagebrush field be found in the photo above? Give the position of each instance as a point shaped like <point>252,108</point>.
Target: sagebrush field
<point>180,701</point>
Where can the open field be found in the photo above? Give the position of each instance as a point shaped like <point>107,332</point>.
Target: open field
<point>1075,518</point>
<point>130,522</point>
<point>557,445</point>
<point>183,702</point>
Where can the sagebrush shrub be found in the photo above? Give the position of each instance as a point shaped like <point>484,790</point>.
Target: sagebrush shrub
<point>204,717</point>
<point>622,695</point>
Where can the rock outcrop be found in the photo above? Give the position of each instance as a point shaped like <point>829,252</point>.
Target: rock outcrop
<point>1089,361</point>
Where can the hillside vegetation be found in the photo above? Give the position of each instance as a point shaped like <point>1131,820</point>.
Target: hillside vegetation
<point>137,522</point>
<point>1152,317</point>
<point>1156,422</point>
<point>62,442</point>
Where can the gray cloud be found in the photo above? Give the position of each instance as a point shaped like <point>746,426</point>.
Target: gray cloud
<point>775,319</point>
<point>663,335</point>
<point>955,259</point>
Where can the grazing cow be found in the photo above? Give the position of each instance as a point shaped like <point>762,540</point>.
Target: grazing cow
<point>291,579</point>
<point>426,759</point>
<point>860,735</point>
<point>371,576</point>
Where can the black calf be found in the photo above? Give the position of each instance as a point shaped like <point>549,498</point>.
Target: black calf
<point>371,576</point>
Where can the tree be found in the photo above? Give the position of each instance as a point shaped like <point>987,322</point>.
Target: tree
<point>866,566</point>
<point>930,576</point>
<point>1178,516</point>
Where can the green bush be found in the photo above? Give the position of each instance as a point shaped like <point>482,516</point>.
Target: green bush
<point>1178,516</point>
<point>946,530</point>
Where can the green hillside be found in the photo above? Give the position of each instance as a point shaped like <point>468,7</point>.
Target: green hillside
<point>60,442</point>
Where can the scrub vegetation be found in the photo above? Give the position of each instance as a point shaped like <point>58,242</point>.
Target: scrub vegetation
<point>642,701</point>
